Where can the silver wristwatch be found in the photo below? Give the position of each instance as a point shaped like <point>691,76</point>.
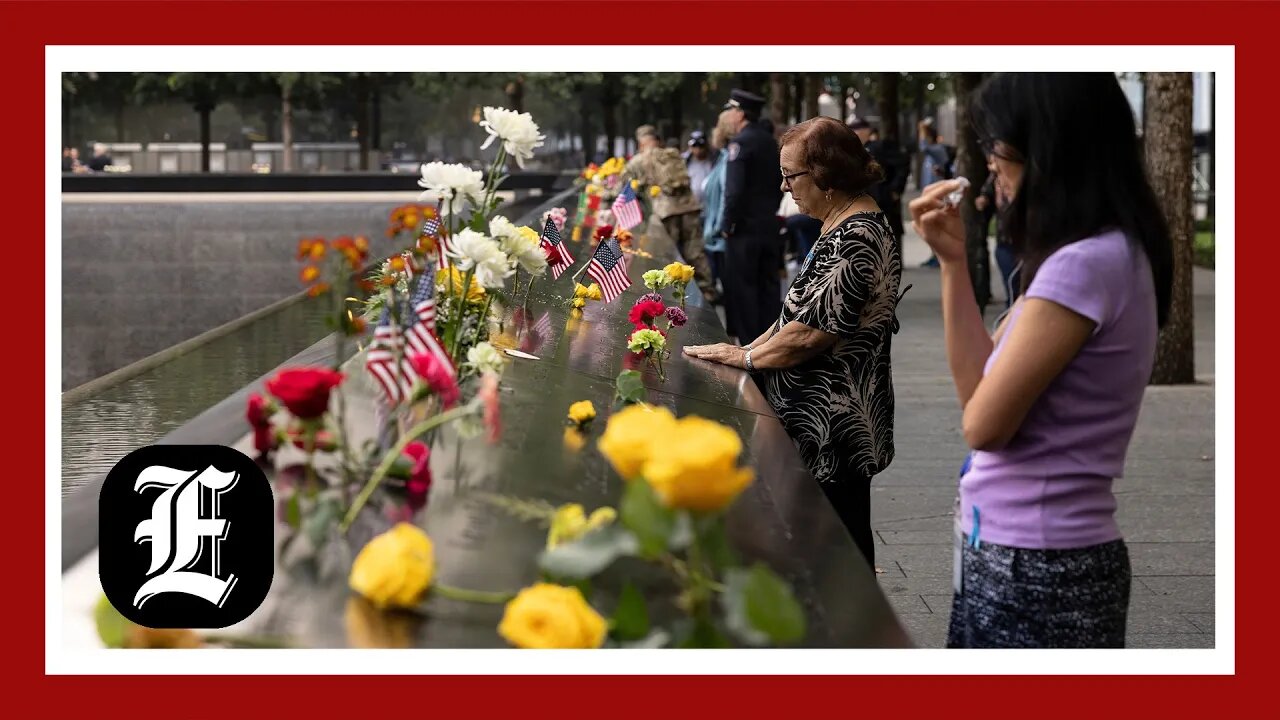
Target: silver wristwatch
<point>750,365</point>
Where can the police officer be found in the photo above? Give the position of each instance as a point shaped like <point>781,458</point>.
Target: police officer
<point>677,212</point>
<point>753,252</point>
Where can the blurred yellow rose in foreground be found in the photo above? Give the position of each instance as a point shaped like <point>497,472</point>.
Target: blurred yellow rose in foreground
<point>695,468</point>
<point>546,616</point>
<point>395,568</point>
<point>632,433</point>
<point>369,627</point>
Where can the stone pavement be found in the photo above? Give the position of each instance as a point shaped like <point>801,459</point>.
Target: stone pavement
<point>1166,499</point>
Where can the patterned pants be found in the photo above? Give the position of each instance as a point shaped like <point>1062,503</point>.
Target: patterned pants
<point>1017,598</point>
<point>685,231</point>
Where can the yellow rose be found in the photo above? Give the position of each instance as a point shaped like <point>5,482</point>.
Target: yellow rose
<point>631,435</point>
<point>573,438</point>
<point>579,290</point>
<point>582,411</point>
<point>594,293</point>
<point>570,523</point>
<point>579,303</point>
<point>695,467</point>
<point>679,272</point>
<point>546,616</point>
<point>654,191</point>
<point>395,568</point>
<point>529,233</point>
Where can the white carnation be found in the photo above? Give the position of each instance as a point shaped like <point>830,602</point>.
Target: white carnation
<point>518,132</point>
<point>485,358</point>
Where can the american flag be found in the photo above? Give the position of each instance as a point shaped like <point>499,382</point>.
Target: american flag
<point>420,331</point>
<point>626,209</point>
<point>551,239</point>
<point>433,229</point>
<point>608,268</point>
<point>397,380</point>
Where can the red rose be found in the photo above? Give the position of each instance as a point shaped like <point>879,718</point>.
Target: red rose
<point>264,439</point>
<point>419,482</point>
<point>259,411</point>
<point>438,375</point>
<point>305,391</point>
<point>603,231</point>
<point>644,311</point>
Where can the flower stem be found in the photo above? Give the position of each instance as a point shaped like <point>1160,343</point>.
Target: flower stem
<point>396,450</point>
<point>475,596</point>
<point>459,319</point>
<point>484,317</point>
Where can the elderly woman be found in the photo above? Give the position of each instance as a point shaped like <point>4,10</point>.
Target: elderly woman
<point>825,361</point>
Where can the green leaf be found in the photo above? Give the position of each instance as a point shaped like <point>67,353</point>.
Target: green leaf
<point>480,223</point>
<point>630,386</point>
<point>760,607</point>
<point>318,522</point>
<point>589,554</point>
<point>644,515</point>
<point>112,626</point>
<point>293,510</point>
<point>631,618</point>
<point>714,542</point>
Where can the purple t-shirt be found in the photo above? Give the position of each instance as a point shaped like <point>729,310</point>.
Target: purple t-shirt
<point>1050,487</point>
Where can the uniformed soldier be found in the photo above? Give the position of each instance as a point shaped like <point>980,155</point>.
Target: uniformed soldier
<point>677,212</point>
<point>752,193</point>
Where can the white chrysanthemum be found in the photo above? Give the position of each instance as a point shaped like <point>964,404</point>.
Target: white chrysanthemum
<point>443,182</point>
<point>501,228</point>
<point>469,248</point>
<point>485,358</point>
<point>518,131</point>
<point>532,258</point>
<point>490,272</point>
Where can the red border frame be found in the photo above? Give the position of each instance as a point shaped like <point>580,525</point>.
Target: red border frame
<point>34,25</point>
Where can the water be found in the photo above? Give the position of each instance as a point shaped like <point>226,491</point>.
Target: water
<point>99,430</point>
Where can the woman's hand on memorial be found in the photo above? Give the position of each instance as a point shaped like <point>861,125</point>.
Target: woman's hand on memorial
<point>722,353</point>
<point>938,223</point>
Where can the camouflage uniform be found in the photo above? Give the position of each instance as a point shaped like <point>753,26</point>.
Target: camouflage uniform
<point>677,214</point>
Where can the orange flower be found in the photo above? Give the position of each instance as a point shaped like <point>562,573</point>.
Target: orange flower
<point>365,285</point>
<point>410,221</point>
<point>309,274</point>
<point>304,247</point>
<point>397,264</point>
<point>318,249</point>
<point>362,244</point>
<point>388,280</point>
<point>318,289</point>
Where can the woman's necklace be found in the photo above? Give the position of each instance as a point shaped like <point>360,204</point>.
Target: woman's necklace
<point>827,224</point>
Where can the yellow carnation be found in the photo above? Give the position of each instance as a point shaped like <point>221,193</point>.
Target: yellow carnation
<point>395,568</point>
<point>582,411</point>
<point>594,293</point>
<point>679,272</point>
<point>546,616</point>
<point>444,275</point>
<point>631,435</point>
<point>579,290</point>
<point>579,303</point>
<point>695,467</point>
<point>570,523</point>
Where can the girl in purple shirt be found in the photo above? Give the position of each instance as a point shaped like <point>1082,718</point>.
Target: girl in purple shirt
<point>1051,399</point>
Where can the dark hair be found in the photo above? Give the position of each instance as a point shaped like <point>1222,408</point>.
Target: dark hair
<point>833,155</point>
<point>1083,168</point>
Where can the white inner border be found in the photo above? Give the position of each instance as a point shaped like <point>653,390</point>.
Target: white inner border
<point>1218,59</point>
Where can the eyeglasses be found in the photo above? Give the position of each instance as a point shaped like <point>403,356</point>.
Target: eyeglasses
<point>786,179</point>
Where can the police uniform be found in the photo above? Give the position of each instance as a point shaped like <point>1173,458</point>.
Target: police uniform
<point>753,250</point>
<point>677,212</point>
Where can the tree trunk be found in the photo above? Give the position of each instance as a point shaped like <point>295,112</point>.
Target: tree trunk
<point>888,102</point>
<point>588,140</point>
<point>812,89</point>
<point>1168,142</point>
<point>515,94</point>
<point>778,99</point>
<point>1212,206</point>
<point>972,164</point>
<point>376,123</point>
<point>362,124</point>
<point>286,128</point>
<point>205,111</point>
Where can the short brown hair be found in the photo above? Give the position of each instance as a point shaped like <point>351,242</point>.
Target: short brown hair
<point>834,156</point>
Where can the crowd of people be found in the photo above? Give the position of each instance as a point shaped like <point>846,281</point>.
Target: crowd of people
<point>98,163</point>
<point>1050,398</point>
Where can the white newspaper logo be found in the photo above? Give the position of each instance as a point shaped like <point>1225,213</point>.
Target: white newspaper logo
<point>181,521</point>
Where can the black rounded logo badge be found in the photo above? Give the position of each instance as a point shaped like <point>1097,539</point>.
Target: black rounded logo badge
<point>186,536</point>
